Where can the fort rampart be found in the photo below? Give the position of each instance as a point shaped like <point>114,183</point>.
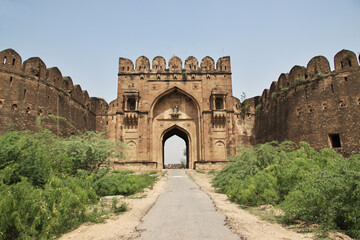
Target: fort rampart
<point>313,104</point>
<point>193,101</point>
<point>30,91</point>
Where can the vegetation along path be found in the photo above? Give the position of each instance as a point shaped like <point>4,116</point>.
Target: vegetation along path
<point>183,211</point>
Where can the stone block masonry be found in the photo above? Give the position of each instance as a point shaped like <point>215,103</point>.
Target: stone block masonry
<point>193,101</point>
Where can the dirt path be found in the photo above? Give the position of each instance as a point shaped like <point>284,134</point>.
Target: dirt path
<point>240,221</point>
<point>121,226</point>
<point>182,212</point>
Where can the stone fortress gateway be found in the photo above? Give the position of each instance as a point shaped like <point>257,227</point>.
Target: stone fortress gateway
<point>191,100</point>
<point>194,102</point>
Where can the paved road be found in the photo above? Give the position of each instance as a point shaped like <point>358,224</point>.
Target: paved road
<point>183,211</point>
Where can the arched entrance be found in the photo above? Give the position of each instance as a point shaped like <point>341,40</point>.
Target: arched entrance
<point>175,112</point>
<point>176,130</point>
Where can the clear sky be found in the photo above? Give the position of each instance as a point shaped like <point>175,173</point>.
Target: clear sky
<point>85,38</point>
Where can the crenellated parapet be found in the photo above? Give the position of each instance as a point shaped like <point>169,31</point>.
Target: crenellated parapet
<point>29,89</point>
<point>191,64</point>
<point>314,104</point>
<point>317,69</point>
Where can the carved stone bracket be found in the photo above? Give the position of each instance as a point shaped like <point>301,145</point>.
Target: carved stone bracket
<point>131,119</point>
<point>219,117</point>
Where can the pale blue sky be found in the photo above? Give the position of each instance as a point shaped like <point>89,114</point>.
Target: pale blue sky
<point>85,38</point>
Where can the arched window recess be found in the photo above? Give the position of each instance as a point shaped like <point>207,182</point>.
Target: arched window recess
<point>131,101</point>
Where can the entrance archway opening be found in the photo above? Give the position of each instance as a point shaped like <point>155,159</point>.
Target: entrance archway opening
<point>175,148</point>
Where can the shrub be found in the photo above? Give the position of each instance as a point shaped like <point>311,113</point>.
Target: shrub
<point>318,187</point>
<point>48,184</point>
<point>258,108</point>
<point>274,95</point>
<point>123,184</point>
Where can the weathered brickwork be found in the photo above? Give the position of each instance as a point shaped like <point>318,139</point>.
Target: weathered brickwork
<point>314,104</point>
<point>192,100</point>
<point>29,90</point>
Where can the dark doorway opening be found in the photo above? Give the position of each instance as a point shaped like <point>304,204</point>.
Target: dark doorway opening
<point>335,140</point>
<point>176,131</point>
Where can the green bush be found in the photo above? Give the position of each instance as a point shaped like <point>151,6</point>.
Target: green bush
<point>318,187</point>
<point>123,184</point>
<point>50,185</point>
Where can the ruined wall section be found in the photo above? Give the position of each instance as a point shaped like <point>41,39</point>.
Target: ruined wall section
<point>29,90</point>
<point>314,104</point>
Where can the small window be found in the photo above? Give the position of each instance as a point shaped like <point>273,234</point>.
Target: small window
<point>324,106</point>
<point>298,111</point>
<point>128,68</point>
<point>219,103</point>
<point>334,140</point>
<point>341,64</point>
<point>123,68</point>
<point>13,62</point>
<point>342,103</point>
<point>349,61</point>
<point>24,94</point>
<point>11,79</point>
<point>310,109</point>
<point>345,78</point>
<point>131,104</point>
<point>4,61</point>
<point>225,68</point>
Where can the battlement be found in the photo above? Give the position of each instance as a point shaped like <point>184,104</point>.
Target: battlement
<point>37,91</point>
<point>313,104</point>
<point>318,68</point>
<point>35,69</point>
<point>191,65</point>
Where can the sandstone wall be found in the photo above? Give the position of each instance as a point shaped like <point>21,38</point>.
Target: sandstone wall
<point>314,104</point>
<point>29,91</point>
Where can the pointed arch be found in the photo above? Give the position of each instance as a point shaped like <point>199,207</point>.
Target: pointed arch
<point>180,132</point>
<point>169,91</point>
